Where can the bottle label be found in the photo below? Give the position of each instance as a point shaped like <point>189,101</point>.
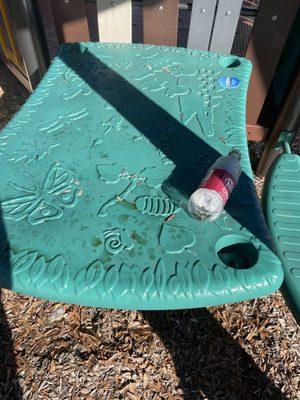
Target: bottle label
<point>220,181</point>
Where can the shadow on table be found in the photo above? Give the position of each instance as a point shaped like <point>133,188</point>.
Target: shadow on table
<point>190,153</point>
<point>208,361</point>
<point>9,385</point>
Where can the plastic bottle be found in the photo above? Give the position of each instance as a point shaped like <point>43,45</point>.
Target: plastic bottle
<point>209,200</point>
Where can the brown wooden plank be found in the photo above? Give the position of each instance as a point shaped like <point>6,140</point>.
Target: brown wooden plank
<point>70,20</point>
<point>92,19</point>
<point>288,120</point>
<point>160,22</point>
<point>47,21</point>
<point>267,40</point>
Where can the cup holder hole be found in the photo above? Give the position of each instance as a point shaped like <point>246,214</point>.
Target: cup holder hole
<point>230,62</point>
<point>237,254</point>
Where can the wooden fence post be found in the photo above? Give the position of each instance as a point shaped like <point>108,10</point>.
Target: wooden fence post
<point>160,22</point>
<point>70,20</point>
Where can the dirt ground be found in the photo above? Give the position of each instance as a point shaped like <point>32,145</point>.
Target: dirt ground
<point>248,350</point>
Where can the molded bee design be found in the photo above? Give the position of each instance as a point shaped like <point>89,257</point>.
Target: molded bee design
<point>45,202</point>
<point>154,205</point>
<point>64,119</point>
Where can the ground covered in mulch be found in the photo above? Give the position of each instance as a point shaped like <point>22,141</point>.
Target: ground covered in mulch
<point>54,351</point>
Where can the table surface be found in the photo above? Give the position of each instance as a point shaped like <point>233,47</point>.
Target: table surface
<point>97,168</point>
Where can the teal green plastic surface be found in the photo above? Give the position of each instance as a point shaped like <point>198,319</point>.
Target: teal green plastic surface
<point>281,200</point>
<point>96,172</point>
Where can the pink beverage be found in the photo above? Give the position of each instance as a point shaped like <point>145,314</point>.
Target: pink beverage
<point>209,200</point>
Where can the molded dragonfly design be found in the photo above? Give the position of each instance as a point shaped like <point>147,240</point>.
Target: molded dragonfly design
<point>43,202</point>
<point>69,118</point>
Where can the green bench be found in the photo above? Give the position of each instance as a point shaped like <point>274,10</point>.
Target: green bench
<point>281,204</point>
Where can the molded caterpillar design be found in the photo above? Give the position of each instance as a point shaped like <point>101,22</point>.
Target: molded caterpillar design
<point>154,205</point>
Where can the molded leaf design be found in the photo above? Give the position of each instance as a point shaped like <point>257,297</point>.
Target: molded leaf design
<point>110,279</point>
<point>29,268</point>
<point>265,275</point>
<point>160,278</point>
<point>200,276</point>
<point>89,277</point>
<point>21,265</point>
<point>219,284</point>
<point>79,282</point>
<point>127,278</point>
<point>245,278</point>
<point>55,268</point>
<point>24,261</point>
<point>93,274</point>
<point>147,280</point>
<point>65,276</point>
<point>37,270</point>
<point>57,273</point>
<point>180,282</point>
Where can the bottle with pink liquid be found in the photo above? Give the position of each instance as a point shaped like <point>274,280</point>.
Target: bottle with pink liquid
<point>209,200</point>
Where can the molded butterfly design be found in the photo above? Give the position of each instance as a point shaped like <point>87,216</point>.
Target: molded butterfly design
<point>45,202</point>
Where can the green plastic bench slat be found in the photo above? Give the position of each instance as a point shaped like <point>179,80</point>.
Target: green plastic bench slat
<point>96,172</point>
<point>281,201</point>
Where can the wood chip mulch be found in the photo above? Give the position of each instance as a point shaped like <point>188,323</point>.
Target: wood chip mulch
<point>248,350</point>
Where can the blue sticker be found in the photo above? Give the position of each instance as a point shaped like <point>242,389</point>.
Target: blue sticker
<point>228,82</point>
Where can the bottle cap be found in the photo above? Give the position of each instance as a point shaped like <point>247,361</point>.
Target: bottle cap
<point>235,154</point>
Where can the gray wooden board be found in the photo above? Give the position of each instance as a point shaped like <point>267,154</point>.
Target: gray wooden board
<point>115,20</point>
<point>203,12</point>
<point>226,20</point>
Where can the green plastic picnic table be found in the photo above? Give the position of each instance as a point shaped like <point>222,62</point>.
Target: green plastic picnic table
<point>96,171</point>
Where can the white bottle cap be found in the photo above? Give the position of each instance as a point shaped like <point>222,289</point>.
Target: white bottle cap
<point>205,204</point>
